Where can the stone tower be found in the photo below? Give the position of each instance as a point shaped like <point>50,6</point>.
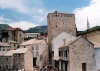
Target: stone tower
<point>60,22</point>
<point>15,34</point>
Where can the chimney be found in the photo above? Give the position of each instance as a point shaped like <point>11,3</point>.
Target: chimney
<point>64,40</point>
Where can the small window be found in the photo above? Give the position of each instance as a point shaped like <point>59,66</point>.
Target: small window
<point>24,47</point>
<point>83,66</point>
<point>0,67</point>
<point>6,66</point>
<point>32,47</point>
<point>0,59</point>
<point>61,15</point>
<point>56,25</point>
<point>37,53</point>
<point>19,55</point>
<point>37,48</point>
<point>0,48</point>
<point>14,45</point>
<point>66,52</point>
<point>56,15</point>
<point>52,15</point>
<point>59,53</point>
<point>20,34</point>
<point>3,49</point>
<point>6,59</point>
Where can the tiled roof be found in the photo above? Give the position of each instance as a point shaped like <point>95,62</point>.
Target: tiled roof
<point>2,53</point>
<point>4,44</point>
<point>20,50</point>
<point>34,41</point>
<point>89,30</point>
<point>11,52</point>
<point>12,29</point>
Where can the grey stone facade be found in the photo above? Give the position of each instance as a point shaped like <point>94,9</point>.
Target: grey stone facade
<point>77,55</point>
<point>15,34</point>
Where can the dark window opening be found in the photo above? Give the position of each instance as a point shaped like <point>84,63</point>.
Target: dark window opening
<point>56,15</point>
<point>5,34</point>
<point>6,67</point>
<point>3,49</point>
<point>56,25</point>
<point>24,47</point>
<point>83,66</point>
<point>19,55</point>
<point>20,34</point>
<point>14,45</point>
<point>59,53</point>
<point>0,67</point>
<point>6,59</point>
<point>66,52</point>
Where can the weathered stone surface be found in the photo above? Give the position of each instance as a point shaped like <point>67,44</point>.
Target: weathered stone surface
<point>60,22</point>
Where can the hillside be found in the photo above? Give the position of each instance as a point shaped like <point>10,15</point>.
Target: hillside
<point>37,29</point>
<point>3,26</point>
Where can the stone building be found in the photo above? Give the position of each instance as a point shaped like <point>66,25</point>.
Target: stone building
<point>31,35</point>
<point>23,59</point>
<point>77,55</point>
<point>40,51</point>
<point>15,34</point>
<point>14,60</point>
<point>4,46</point>
<point>92,34</point>
<point>60,22</point>
<point>6,60</point>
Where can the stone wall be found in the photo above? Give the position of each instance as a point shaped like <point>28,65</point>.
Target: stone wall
<point>6,62</point>
<point>81,51</point>
<point>60,22</point>
<point>18,61</point>
<point>28,57</point>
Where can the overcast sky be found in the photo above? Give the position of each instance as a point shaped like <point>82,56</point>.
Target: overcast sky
<point>30,13</point>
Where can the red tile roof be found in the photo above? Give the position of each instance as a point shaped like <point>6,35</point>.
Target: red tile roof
<point>12,29</point>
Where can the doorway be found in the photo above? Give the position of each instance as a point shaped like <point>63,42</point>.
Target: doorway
<point>66,63</point>
<point>34,61</point>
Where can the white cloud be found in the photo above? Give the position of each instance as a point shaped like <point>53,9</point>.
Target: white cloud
<point>23,25</point>
<point>39,18</point>
<point>92,11</point>
<point>4,20</point>
<point>40,11</point>
<point>13,4</point>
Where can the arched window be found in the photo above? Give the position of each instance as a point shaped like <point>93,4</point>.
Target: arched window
<point>6,66</point>
<point>37,48</point>
<point>37,53</point>
<point>32,47</point>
